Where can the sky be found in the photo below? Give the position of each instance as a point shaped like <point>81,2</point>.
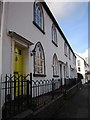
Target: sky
<point>72,18</point>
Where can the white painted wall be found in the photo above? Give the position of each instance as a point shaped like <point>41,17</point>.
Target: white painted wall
<point>82,67</point>
<point>0,73</point>
<point>20,20</point>
<point>1,46</point>
<point>18,17</point>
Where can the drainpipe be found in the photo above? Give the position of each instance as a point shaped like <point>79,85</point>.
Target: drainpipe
<point>1,52</point>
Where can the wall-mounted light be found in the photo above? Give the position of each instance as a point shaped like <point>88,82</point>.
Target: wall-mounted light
<point>33,52</point>
<point>52,65</point>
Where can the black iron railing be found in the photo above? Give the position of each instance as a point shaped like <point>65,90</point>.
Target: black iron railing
<point>15,92</point>
<point>21,92</point>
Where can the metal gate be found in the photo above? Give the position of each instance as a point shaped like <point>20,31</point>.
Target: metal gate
<point>16,95</point>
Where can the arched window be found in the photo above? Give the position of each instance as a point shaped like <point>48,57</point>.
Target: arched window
<point>55,66</point>
<point>65,48</point>
<point>54,35</point>
<point>70,71</point>
<point>39,60</point>
<point>38,15</point>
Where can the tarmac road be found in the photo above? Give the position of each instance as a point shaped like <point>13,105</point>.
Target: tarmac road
<point>77,106</point>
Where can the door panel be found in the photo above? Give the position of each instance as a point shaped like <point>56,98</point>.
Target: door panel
<point>18,68</point>
<point>18,61</point>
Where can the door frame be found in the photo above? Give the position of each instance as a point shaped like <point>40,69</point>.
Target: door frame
<point>15,42</point>
<point>17,38</point>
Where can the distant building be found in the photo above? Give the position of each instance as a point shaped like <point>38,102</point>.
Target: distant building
<point>82,66</point>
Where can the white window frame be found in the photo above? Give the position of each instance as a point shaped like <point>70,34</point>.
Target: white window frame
<point>39,60</point>
<point>65,48</point>
<point>55,66</point>
<point>38,15</point>
<point>54,35</point>
<point>67,70</point>
<point>69,54</point>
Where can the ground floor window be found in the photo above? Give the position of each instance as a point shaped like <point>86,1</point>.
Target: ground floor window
<point>55,66</point>
<point>39,60</point>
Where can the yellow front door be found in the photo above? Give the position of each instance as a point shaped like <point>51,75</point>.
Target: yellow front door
<point>18,68</point>
<point>18,61</point>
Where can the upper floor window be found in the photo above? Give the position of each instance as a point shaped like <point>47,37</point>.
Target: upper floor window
<point>86,59</point>
<point>67,70</point>
<point>55,66</point>
<point>65,48</point>
<point>78,62</point>
<point>70,71</point>
<point>69,54</point>
<point>54,35</point>
<point>74,60</point>
<point>79,69</point>
<point>38,15</point>
<point>39,60</point>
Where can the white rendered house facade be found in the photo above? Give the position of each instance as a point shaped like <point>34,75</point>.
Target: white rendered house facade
<point>31,35</point>
<point>82,67</point>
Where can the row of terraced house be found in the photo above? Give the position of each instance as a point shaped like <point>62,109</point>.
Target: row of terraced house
<point>31,41</point>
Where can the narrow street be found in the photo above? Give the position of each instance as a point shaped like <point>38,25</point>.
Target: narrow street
<point>77,106</point>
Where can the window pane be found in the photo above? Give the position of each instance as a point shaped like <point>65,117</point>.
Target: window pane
<point>55,66</point>
<point>54,34</point>
<point>79,69</point>
<point>38,15</point>
<point>78,62</point>
<point>39,59</point>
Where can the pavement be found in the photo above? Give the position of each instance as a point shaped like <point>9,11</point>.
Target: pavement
<point>77,106</point>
